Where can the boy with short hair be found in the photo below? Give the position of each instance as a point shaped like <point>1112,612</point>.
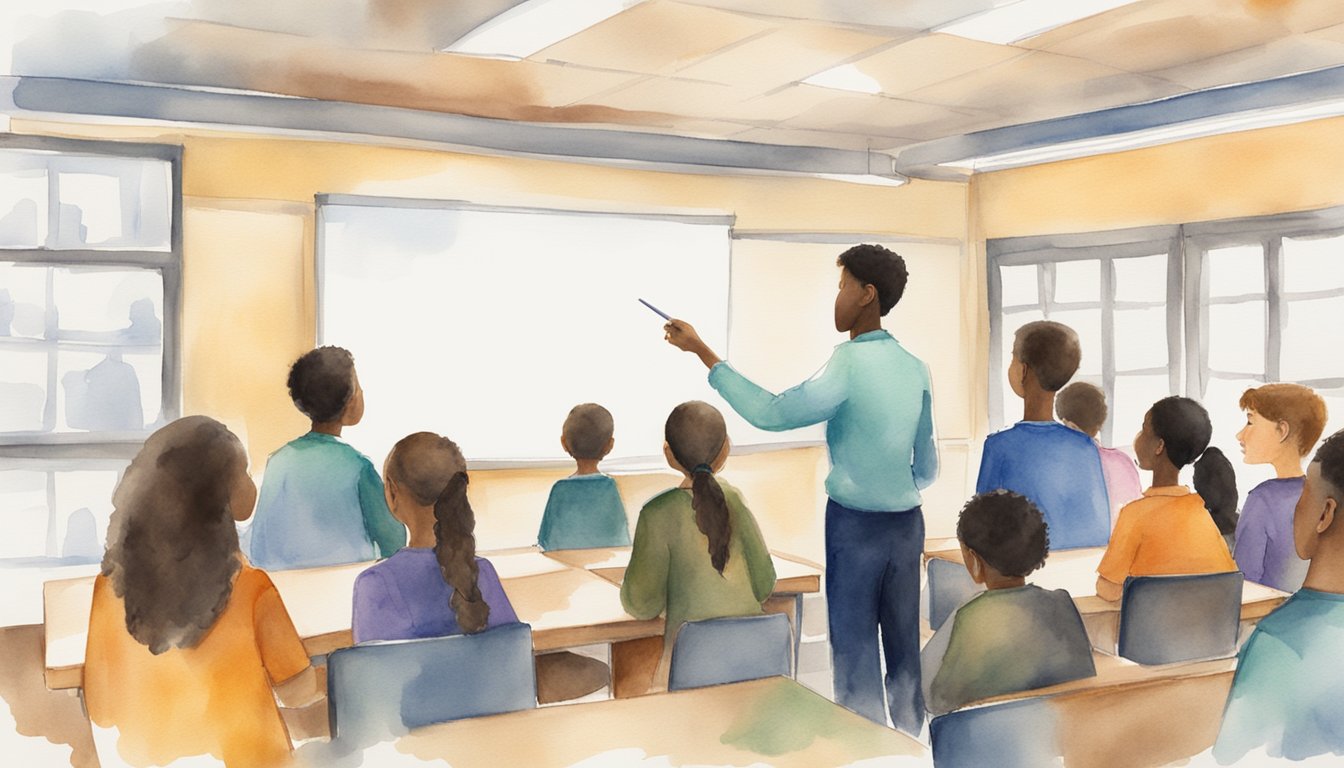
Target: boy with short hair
<point>321,501</point>
<point>1057,468</point>
<point>1285,695</point>
<point>585,510</point>
<point>1083,406</point>
<point>1283,422</point>
<point>1014,636</point>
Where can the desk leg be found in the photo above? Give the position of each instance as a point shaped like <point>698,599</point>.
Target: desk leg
<point>633,666</point>
<point>791,606</point>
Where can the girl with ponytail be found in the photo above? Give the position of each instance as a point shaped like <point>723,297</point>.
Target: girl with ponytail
<point>436,585</point>
<point>697,553</point>
<point>1171,530</point>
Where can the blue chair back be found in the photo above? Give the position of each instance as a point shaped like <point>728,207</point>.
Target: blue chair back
<point>1014,734</point>
<point>379,690</point>
<point>1165,619</point>
<point>729,650</point>
<point>950,585</point>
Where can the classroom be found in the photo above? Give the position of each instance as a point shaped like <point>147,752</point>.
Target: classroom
<point>505,208</point>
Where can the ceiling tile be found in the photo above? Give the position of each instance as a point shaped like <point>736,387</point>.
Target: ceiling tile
<point>906,14</point>
<point>792,53</point>
<point>688,98</point>
<point>931,59</point>
<point>1262,62</point>
<point>882,116</point>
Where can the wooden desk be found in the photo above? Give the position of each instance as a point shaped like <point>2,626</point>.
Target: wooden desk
<point>773,722</point>
<point>792,575</point>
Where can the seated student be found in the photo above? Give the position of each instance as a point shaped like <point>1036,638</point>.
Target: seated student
<point>698,553</point>
<point>1285,695</point>
<point>1169,530</point>
<point>435,585</point>
<point>1083,407</point>
<point>1057,468</point>
<point>585,510</point>
<point>321,500</point>
<point>1283,422</point>
<point>1014,636</point>
<point>188,645</point>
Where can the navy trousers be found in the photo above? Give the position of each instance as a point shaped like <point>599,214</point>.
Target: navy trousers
<point>872,583</point>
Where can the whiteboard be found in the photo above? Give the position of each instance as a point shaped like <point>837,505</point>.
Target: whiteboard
<point>488,324</point>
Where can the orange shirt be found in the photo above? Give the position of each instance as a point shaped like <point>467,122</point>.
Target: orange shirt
<point>214,698</point>
<point>1168,531</point>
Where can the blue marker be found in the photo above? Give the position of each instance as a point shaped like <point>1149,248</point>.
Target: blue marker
<point>660,312</point>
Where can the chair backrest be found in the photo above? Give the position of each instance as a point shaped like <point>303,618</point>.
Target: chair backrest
<point>729,650</point>
<point>1019,733</point>
<point>377,691</point>
<point>1165,619</point>
<point>950,585</point>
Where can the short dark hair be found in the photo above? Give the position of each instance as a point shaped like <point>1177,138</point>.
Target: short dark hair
<point>1005,529</point>
<point>1183,426</point>
<point>1082,404</point>
<point>1331,458</point>
<point>1050,350</point>
<point>587,431</point>
<point>321,382</point>
<point>879,267</point>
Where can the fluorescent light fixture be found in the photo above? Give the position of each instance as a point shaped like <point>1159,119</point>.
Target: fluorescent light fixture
<point>845,77</point>
<point>535,25</point>
<point>1193,129</point>
<point>1017,20</point>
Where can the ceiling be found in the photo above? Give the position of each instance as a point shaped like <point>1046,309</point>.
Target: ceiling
<point>717,69</point>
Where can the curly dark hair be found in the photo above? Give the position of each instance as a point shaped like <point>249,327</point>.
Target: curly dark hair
<point>1005,529</point>
<point>695,433</point>
<point>588,429</point>
<point>321,383</point>
<point>879,267</point>
<point>1331,458</point>
<point>172,548</point>
<point>1050,350</point>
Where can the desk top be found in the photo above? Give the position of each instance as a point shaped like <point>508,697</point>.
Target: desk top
<point>774,721</point>
<point>792,575</point>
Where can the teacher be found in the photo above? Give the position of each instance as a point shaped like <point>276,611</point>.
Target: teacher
<point>876,401</point>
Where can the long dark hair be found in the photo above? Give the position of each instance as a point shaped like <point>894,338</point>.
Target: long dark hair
<point>172,548</point>
<point>1185,430</point>
<point>432,470</point>
<point>695,433</point>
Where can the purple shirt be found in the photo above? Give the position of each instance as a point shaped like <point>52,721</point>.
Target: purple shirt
<point>1264,549</point>
<point>406,597</point>
<point>1122,479</point>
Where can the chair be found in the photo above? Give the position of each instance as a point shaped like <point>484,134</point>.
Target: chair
<point>1165,619</point>
<point>950,585</point>
<point>1011,734</point>
<point>729,650</point>
<point>379,690</point>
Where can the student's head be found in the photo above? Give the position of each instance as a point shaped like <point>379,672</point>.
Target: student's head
<point>872,279</point>
<point>1315,534</point>
<point>1177,430</point>
<point>587,432</point>
<point>324,387</point>
<point>172,548</point>
<point>1280,417</point>
<point>696,443</point>
<point>1082,406</point>
<point>1045,356</point>
<point>426,476</point>
<point>1005,531</point>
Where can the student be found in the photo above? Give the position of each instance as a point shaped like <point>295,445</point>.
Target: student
<point>876,400</point>
<point>188,645</point>
<point>1169,530</point>
<point>585,510</point>
<point>698,553</point>
<point>1082,406</point>
<point>1058,468</point>
<point>1283,422</point>
<point>321,500</point>
<point>435,585</point>
<point>1014,636</point>
<point>1285,695</point>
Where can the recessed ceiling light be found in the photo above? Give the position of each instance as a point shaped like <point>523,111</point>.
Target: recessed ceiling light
<point>535,25</point>
<point>845,77</point>
<point>1016,20</point>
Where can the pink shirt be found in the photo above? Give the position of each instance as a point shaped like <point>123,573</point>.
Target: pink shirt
<point>1122,479</point>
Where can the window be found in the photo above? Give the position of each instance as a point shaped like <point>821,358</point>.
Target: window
<point>90,253</point>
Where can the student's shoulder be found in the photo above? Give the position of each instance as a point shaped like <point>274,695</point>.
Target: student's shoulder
<point>664,503</point>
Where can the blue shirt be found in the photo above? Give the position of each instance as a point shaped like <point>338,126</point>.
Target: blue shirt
<point>584,511</point>
<point>1285,695</point>
<point>321,503</point>
<point>1059,469</point>
<point>1265,551</point>
<point>405,597</point>
<point>875,399</point>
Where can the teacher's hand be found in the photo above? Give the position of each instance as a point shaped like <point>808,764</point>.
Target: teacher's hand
<point>682,335</point>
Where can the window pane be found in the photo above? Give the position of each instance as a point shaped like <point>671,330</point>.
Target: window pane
<point>1087,324</point>
<point>1236,337</point>
<point>83,506</point>
<point>102,392</point>
<point>1308,346</point>
<point>23,300</point>
<point>1019,285</point>
<point>1141,279</point>
<point>1134,395</point>
<point>23,201</point>
<point>110,305</point>
<point>1141,339</point>
<point>1235,271</point>
<point>1313,265</point>
<point>23,386</point>
<point>113,202</point>
<point>1077,281</point>
<point>90,209</point>
<point>23,513</point>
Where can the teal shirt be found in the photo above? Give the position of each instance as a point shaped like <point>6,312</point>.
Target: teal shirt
<point>584,511</point>
<point>878,407</point>
<point>1290,674</point>
<point>321,503</point>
